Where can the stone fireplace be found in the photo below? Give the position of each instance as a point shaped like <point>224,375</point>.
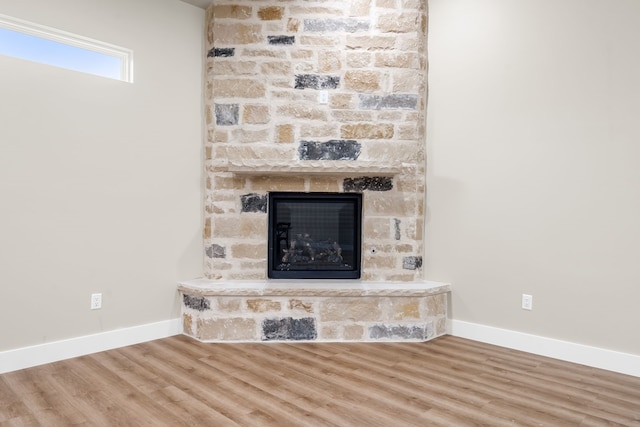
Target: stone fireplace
<point>315,98</point>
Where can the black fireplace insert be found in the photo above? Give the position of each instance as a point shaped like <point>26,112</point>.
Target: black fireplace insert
<point>314,235</point>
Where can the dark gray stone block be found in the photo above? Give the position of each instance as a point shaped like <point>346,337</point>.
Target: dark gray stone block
<point>216,251</point>
<point>289,329</point>
<point>412,262</point>
<point>254,202</point>
<point>398,331</point>
<point>335,149</point>
<point>348,25</point>
<point>227,114</point>
<point>221,52</point>
<point>388,102</point>
<point>197,303</point>
<point>281,40</point>
<point>368,183</point>
<point>316,81</point>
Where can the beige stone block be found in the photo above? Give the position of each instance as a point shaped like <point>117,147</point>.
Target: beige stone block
<point>302,54</point>
<point>228,182</point>
<point>325,40</point>
<point>352,116</point>
<point>397,60</point>
<point>218,265</point>
<point>234,34</point>
<point>392,116</point>
<point>342,100</point>
<point>389,4</point>
<point>250,135</point>
<point>399,277</point>
<point>232,329</point>
<point>405,81</point>
<point>360,8</point>
<point>380,261</point>
<point>263,305</point>
<point>220,136</point>
<point>377,228</point>
<point>440,326</point>
<point>322,130</point>
<point>329,332</point>
<point>358,59</point>
<point>437,305</point>
<point>234,68</point>
<point>399,22</point>
<point>207,153</point>
<point>293,25</point>
<point>408,131</point>
<point>372,43</point>
<point>362,81</point>
<point>256,114</point>
<point>244,226</point>
<point>228,304</point>
<point>405,308</point>
<point>187,324</point>
<point>270,13</point>
<point>354,309</point>
<point>277,183</point>
<point>260,265</point>
<point>247,275</point>
<point>315,10</point>
<point>396,152</point>
<point>296,304</point>
<point>276,68</point>
<point>284,133</point>
<point>265,53</point>
<point>404,248</point>
<point>232,11</point>
<point>390,204</point>
<point>353,332</point>
<point>321,184</point>
<point>329,61</point>
<point>238,88</point>
<point>367,131</point>
<point>302,111</point>
<point>206,233</point>
<point>249,250</point>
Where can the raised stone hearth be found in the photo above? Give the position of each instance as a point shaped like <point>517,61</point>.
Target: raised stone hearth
<point>313,310</point>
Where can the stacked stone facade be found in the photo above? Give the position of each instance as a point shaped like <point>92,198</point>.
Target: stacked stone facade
<point>270,66</point>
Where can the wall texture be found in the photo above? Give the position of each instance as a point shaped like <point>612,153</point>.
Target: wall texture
<point>267,64</point>
<point>533,167</point>
<point>100,180</point>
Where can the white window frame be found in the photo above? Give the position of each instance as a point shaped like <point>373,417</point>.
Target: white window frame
<point>124,55</point>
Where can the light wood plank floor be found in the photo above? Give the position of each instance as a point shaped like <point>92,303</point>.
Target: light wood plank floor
<point>445,382</point>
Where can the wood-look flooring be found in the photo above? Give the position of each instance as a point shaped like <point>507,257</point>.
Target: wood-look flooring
<point>445,382</point>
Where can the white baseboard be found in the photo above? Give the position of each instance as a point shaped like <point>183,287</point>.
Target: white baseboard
<point>610,360</point>
<point>26,357</point>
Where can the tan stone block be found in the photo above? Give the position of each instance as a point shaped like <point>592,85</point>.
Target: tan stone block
<point>379,261</point>
<point>405,81</point>
<point>234,68</point>
<point>326,40</point>
<point>391,116</point>
<point>329,60</point>
<point>242,227</point>
<point>277,183</point>
<point>284,133</point>
<point>302,54</point>
<point>405,308</point>
<point>276,68</point>
<point>409,132</point>
<point>329,332</point>
<point>399,22</point>
<point>404,248</point>
<point>353,332</point>
<point>358,59</point>
<point>233,34</point>
<point>228,305</point>
<point>437,305</point>
<point>302,111</point>
<point>263,305</point>
<point>367,131</point>
<point>365,42</point>
<point>206,233</point>
<point>256,114</point>
<point>397,60</point>
<point>266,53</point>
<point>187,324</point>
<point>249,250</point>
<point>218,265</point>
<point>321,184</point>
<point>232,329</point>
<point>247,275</point>
<point>220,136</point>
<point>231,11</point>
<point>270,13</point>
<point>228,182</point>
<point>250,135</point>
<point>293,25</point>
<point>396,152</point>
<point>322,131</point>
<point>310,10</point>
<point>296,304</point>
<point>399,277</point>
<point>260,265</point>
<point>354,309</point>
<point>207,153</point>
<point>238,88</point>
<point>377,228</point>
<point>342,100</point>
<point>362,81</point>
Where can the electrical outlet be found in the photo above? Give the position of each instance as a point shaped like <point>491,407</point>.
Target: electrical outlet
<point>323,97</point>
<point>527,302</point>
<point>96,301</point>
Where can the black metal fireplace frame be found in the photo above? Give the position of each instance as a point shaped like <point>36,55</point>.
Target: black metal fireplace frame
<point>276,231</point>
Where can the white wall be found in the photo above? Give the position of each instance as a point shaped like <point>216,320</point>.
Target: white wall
<point>100,180</point>
<point>534,165</point>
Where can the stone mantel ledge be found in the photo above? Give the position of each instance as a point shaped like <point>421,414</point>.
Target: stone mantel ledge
<point>317,288</point>
<point>315,167</point>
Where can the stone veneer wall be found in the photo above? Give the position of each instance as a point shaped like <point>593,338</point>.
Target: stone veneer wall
<point>267,63</point>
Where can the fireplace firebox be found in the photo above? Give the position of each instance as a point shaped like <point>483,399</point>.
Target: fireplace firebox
<point>314,235</point>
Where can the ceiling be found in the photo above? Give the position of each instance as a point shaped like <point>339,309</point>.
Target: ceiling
<point>200,3</point>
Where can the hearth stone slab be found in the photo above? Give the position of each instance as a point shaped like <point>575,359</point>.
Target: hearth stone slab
<point>314,310</point>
